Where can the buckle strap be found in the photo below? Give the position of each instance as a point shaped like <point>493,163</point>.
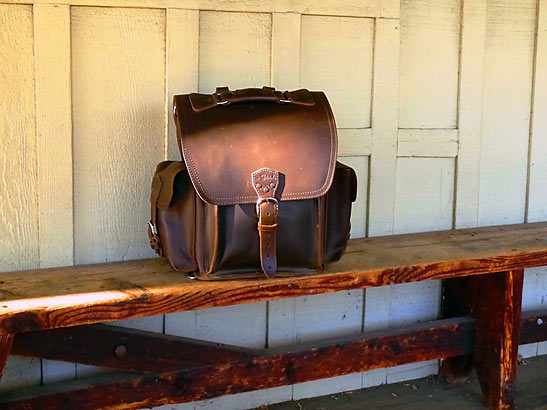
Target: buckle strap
<point>266,233</point>
<point>265,182</point>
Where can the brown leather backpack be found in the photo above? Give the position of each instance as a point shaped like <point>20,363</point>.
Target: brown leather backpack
<point>259,192</point>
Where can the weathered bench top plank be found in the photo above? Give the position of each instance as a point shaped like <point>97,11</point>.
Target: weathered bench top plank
<point>69,296</point>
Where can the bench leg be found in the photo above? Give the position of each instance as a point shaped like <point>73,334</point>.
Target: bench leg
<point>495,300</point>
<point>6,340</point>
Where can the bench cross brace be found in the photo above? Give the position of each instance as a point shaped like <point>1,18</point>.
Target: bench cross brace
<point>227,369</point>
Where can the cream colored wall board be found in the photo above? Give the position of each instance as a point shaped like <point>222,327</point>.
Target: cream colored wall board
<point>340,65</point>
<point>534,296</point>
<point>470,107</point>
<point>238,57</point>
<point>537,195</point>
<point>118,78</point>
<point>249,400</point>
<point>354,142</point>
<point>54,141</point>
<point>441,143</point>
<point>18,191</point>
<point>383,167</point>
<point>368,8</point>
<point>383,162</point>
<point>54,133</point>
<point>183,406</point>
<point>19,242</point>
<point>412,371</point>
<point>425,188</point>
<point>411,303</point>
<point>286,51</point>
<point>20,372</point>
<point>528,350</point>
<point>424,202</point>
<point>430,39</point>
<point>317,317</point>
<point>510,30</point>
<point>182,36</point>
<point>53,371</point>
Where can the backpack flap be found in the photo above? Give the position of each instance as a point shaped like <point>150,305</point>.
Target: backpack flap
<point>222,146</point>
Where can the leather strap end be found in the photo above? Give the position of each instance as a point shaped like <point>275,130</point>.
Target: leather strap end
<point>154,240</point>
<point>267,227</point>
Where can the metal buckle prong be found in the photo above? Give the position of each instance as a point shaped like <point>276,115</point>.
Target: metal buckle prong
<point>153,228</point>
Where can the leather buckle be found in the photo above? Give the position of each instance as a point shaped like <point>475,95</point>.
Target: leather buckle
<point>217,96</point>
<point>260,201</point>
<point>286,98</point>
<point>153,228</point>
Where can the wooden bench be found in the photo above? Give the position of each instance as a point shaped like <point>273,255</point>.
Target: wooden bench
<point>50,313</point>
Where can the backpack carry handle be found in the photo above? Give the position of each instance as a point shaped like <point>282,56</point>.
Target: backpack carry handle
<point>223,95</point>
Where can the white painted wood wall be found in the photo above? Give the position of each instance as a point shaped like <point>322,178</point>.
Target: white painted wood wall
<point>441,107</point>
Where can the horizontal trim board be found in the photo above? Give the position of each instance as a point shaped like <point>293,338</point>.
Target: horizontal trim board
<point>354,142</point>
<point>270,368</point>
<point>353,8</point>
<point>437,143</point>
<point>32,300</point>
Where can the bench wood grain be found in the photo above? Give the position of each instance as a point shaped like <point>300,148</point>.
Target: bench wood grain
<point>70,296</point>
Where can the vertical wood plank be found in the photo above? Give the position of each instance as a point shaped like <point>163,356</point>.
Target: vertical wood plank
<point>510,33</point>
<point>537,194</point>
<point>470,112</point>
<point>19,242</point>
<point>54,139</point>
<point>239,57</point>
<point>18,205</point>
<point>384,127</point>
<point>383,166</point>
<point>182,38</point>
<point>340,65</point>
<point>54,133</point>
<point>430,37</point>
<point>424,202</point>
<point>286,29</point>
<point>118,78</point>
